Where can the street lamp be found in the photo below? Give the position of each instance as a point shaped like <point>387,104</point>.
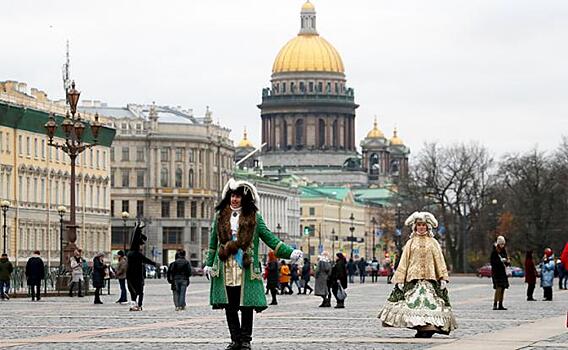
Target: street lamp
<point>5,205</point>
<point>125,217</point>
<point>73,145</point>
<point>61,210</point>
<point>374,222</point>
<point>278,228</point>
<point>352,228</point>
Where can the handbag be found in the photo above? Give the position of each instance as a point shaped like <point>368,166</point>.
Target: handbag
<point>341,294</point>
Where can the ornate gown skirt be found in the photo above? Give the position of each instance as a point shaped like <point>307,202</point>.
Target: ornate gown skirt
<point>422,303</point>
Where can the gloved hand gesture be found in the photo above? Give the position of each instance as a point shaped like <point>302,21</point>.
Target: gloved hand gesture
<point>296,255</point>
<point>443,284</point>
<point>207,271</point>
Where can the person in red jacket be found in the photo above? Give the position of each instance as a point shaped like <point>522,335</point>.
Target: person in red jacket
<point>564,266</point>
<point>530,275</point>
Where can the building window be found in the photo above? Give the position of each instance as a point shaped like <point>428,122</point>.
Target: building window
<point>140,153</point>
<point>139,178</point>
<point>112,208</point>
<point>320,87</point>
<point>112,154</point>
<point>35,148</point>
<point>91,162</point>
<point>312,211</point>
<point>104,159</point>
<point>42,149</point>
<point>165,209</point>
<point>311,86</point>
<point>139,209</point>
<point>193,213</point>
<point>125,178</point>
<point>125,154</point>
<point>125,206</point>
<point>164,177</point>
<point>301,211</point>
<point>193,234</point>
<point>164,154</point>
<point>28,147</point>
<point>179,175</point>
<point>20,146</point>
<point>97,159</point>
<point>180,209</point>
<point>179,154</point>
<point>299,132</point>
<point>190,156</point>
<point>203,210</point>
<point>138,129</point>
<point>190,179</point>
<point>172,235</point>
<point>112,178</point>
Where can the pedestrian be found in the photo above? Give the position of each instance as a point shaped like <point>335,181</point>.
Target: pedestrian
<point>6,269</point>
<point>338,277</point>
<point>564,260</point>
<point>530,275</point>
<point>362,267</point>
<point>272,276</point>
<point>121,276</point>
<point>351,270</point>
<point>374,270</point>
<point>306,275</point>
<point>180,270</point>
<point>35,272</point>
<point>420,299</point>
<point>136,268</point>
<point>323,270</point>
<point>499,262</point>
<point>547,274</point>
<point>76,264</point>
<point>387,265</point>
<point>295,277</point>
<point>284,279</point>
<point>98,276</point>
<point>233,261</point>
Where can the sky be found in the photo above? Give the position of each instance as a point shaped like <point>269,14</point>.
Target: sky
<point>492,72</point>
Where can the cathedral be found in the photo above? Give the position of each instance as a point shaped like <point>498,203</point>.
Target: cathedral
<point>308,120</point>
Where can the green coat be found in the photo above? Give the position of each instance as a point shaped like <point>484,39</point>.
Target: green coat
<point>252,287</point>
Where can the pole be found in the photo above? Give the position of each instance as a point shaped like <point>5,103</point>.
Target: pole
<point>319,239</point>
<point>374,234</point>
<point>124,234</point>
<point>4,210</point>
<point>60,242</point>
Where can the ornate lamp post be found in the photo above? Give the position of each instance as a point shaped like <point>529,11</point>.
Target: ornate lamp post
<point>374,222</point>
<point>352,229</point>
<point>61,210</point>
<point>73,145</point>
<point>125,217</point>
<point>5,205</point>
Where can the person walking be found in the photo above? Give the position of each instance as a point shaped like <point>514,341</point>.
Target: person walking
<point>374,270</point>
<point>285,277</point>
<point>338,277</point>
<point>233,261</point>
<point>180,270</point>
<point>387,265</point>
<point>547,274</point>
<point>499,262</point>
<point>35,272</point>
<point>323,271</point>
<point>420,298</point>
<point>351,270</point>
<point>306,275</point>
<point>295,277</point>
<point>564,260</point>
<point>530,275</point>
<point>136,266</point>
<point>76,264</point>
<point>272,276</point>
<point>362,267</point>
<point>6,269</point>
<point>98,276</point>
<point>121,276</point>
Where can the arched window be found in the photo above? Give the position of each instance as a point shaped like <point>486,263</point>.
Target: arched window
<point>179,174</point>
<point>335,134</point>
<point>190,179</point>
<point>299,132</point>
<point>321,133</point>
<point>374,165</point>
<point>164,180</point>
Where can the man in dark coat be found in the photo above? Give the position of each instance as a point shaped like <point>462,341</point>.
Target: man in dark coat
<point>339,275</point>
<point>530,275</point>
<point>136,266</point>
<point>272,276</point>
<point>98,276</point>
<point>180,271</point>
<point>306,275</point>
<point>362,267</point>
<point>35,272</point>
<point>6,270</point>
<point>499,261</point>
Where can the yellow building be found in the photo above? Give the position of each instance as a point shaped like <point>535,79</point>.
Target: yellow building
<point>35,179</point>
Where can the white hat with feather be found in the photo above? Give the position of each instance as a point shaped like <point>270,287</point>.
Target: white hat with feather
<point>233,185</point>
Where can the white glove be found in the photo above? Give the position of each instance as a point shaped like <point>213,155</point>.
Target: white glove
<point>296,255</point>
<point>400,286</point>
<point>443,284</point>
<point>207,271</point>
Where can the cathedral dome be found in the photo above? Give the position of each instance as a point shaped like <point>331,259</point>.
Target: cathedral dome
<point>245,142</point>
<point>308,52</point>
<point>395,140</point>
<point>375,133</point>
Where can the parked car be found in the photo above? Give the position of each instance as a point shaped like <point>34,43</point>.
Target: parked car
<point>516,271</point>
<point>484,271</point>
<point>197,271</point>
<point>150,271</point>
<point>512,271</point>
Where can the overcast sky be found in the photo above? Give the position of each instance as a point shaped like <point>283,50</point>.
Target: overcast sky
<point>491,71</point>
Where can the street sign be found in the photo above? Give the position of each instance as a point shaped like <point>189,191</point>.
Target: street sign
<point>355,251</point>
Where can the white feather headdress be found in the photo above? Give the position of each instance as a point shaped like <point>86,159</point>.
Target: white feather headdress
<point>233,184</point>
<point>422,216</point>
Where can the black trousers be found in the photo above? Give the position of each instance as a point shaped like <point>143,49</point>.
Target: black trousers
<point>547,293</point>
<point>241,330</point>
<point>530,290</point>
<point>72,287</point>
<point>36,291</point>
<point>136,289</point>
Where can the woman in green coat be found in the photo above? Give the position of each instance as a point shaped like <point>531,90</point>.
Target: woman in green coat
<point>233,263</point>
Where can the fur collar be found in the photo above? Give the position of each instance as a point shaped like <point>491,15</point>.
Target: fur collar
<point>228,247</point>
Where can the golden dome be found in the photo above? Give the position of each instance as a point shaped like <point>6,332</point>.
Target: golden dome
<point>245,142</point>
<point>308,6</point>
<point>308,53</point>
<point>375,133</point>
<point>395,140</point>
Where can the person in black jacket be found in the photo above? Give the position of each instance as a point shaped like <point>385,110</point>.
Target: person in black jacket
<point>499,261</point>
<point>178,275</point>
<point>136,266</point>
<point>339,275</point>
<point>272,277</point>
<point>98,276</point>
<point>35,272</point>
<point>306,275</point>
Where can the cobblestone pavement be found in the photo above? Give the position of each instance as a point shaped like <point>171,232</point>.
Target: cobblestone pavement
<point>296,323</point>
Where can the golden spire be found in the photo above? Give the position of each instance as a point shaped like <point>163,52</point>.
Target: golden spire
<point>395,140</point>
<point>245,142</point>
<point>375,133</point>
